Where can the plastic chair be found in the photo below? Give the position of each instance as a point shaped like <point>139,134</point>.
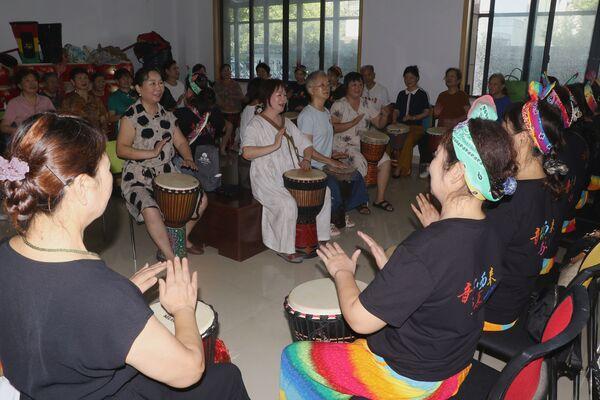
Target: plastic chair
<point>116,168</point>
<point>521,377</point>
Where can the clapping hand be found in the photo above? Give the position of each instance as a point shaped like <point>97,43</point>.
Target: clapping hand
<point>425,211</point>
<point>376,250</point>
<point>336,259</point>
<point>145,278</point>
<point>279,138</point>
<point>180,290</point>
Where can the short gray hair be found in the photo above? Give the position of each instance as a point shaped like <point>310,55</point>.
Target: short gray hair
<point>312,78</point>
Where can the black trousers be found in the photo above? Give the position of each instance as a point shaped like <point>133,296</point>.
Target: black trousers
<point>220,381</point>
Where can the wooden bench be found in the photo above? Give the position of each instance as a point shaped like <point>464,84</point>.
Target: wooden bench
<point>232,225</point>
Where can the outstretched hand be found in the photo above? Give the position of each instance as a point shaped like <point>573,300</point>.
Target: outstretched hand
<point>376,250</point>
<point>336,259</point>
<point>145,278</point>
<point>425,211</point>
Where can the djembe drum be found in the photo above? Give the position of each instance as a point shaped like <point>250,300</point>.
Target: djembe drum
<point>177,197</point>
<point>313,312</point>
<point>206,319</point>
<point>344,178</point>
<point>436,133</point>
<point>372,146</point>
<point>308,189</point>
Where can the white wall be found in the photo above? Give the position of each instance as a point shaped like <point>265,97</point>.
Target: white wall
<point>187,24</point>
<point>398,33</point>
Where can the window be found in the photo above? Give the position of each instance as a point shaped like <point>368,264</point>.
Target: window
<point>524,38</point>
<point>285,33</point>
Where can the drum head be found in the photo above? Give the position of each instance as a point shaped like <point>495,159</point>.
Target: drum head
<point>205,317</point>
<point>176,181</point>
<point>437,131</point>
<point>396,129</point>
<point>302,175</point>
<point>348,170</point>
<point>374,137</point>
<point>317,297</point>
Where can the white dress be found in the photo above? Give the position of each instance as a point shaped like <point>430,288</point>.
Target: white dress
<point>280,210</point>
<point>349,140</point>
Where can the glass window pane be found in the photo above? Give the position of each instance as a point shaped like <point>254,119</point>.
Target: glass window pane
<point>509,36</point>
<point>341,35</point>
<point>484,6</point>
<point>539,39</point>
<point>311,9</point>
<point>305,37</point>
<point>482,29</point>
<point>275,56</point>
<point>236,37</point>
<point>571,37</point>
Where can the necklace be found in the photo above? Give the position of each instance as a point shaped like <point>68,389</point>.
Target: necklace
<point>82,252</point>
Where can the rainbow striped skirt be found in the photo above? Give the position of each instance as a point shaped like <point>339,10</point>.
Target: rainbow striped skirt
<point>317,370</point>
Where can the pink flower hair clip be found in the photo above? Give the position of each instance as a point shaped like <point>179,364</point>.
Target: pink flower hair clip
<point>13,170</point>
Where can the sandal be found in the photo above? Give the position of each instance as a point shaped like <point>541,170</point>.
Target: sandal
<point>364,210</point>
<point>384,205</point>
<point>295,258</point>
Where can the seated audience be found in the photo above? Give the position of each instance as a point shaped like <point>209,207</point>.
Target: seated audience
<point>52,88</point>
<point>336,87</point>
<point>497,89</point>
<point>99,87</point>
<point>28,103</point>
<point>202,80</point>
<point>202,123</point>
<point>171,79</point>
<point>148,139</point>
<point>73,328</point>
<point>411,108</point>
<point>263,71</point>
<point>296,91</point>
<point>122,98</point>
<point>451,105</point>
<point>422,314</point>
<point>228,91</point>
<point>374,91</point>
<point>83,103</point>
<point>348,115</point>
<point>267,143</point>
<point>251,109</point>
<point>315,122</point>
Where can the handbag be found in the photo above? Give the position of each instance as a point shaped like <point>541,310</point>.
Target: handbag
<point>516,87</point>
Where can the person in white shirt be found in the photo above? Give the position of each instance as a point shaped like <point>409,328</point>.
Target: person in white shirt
<point>373,91</point>
<point>172,82</point>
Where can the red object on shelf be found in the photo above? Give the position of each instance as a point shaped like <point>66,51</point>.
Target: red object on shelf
<point>5,75</point>
<point>109,69</point>
<point>7,93</point>
<point>40,68</point>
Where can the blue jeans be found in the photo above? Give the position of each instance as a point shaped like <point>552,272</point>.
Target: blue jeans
<point>358,194</point>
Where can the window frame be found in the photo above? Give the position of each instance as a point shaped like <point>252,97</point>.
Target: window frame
<point>218,17</point>
<point>593,56</point>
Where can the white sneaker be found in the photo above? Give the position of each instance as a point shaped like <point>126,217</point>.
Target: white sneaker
<point>349,222</point>
<point>424,173</point>
<point>333,230</point>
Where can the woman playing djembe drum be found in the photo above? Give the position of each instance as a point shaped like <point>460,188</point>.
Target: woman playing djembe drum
<point>148,138</point>
<point>422,310</point>
<point>275,145</point>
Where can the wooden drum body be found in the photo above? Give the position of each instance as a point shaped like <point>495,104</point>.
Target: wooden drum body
<point>314,314</point>
<point>436,133</point>
<point>206,319</point>
<point>372,147</point>
<point>343,176</point>
<point>308,189</point>
<point>177,197</point>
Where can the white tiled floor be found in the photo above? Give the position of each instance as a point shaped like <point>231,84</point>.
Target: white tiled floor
<point>248,296</point>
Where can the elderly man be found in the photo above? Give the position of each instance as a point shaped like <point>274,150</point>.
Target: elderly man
<point>373,91</point>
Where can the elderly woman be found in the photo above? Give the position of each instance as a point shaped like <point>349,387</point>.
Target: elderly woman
<point>73,328</point>
<point>148,138</point>
<point>28,103</point>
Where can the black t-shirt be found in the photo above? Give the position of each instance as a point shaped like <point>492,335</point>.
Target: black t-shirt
<point>66,328</point>
<point>187,120</point>
<point>418,103</point>
<point>575,154</point>
<point>430,295</point>
<point>527,224</point>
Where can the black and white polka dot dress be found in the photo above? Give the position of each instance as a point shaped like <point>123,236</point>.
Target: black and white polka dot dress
<point>136,184</point>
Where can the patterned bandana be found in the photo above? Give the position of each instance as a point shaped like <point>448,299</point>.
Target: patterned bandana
<point>553,98</point>
<point>476,176</point>
<point>533,120</point>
